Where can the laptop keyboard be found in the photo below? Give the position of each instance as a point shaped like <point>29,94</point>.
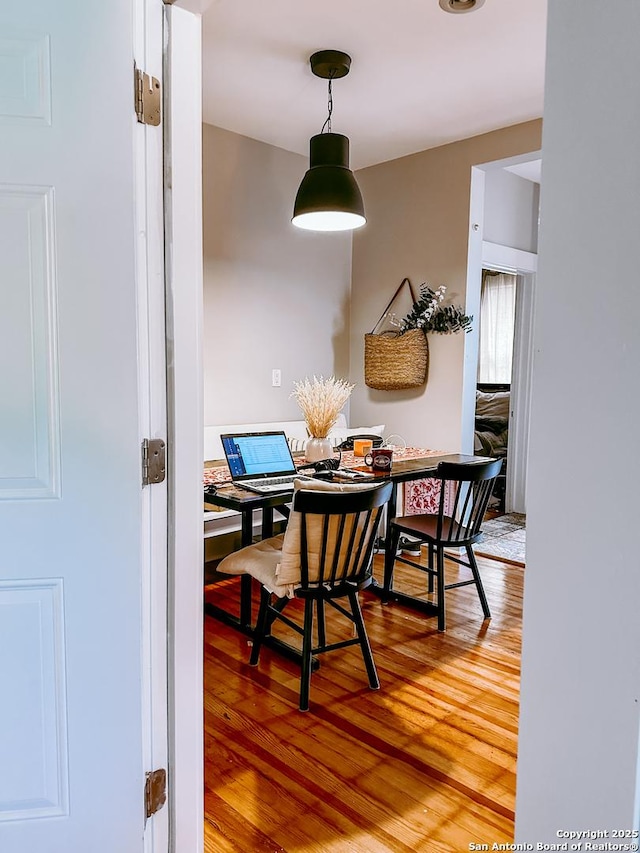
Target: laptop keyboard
<point>269,481</point>
<point>273,484</point>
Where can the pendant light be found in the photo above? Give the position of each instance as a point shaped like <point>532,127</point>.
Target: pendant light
<point>329,198</point>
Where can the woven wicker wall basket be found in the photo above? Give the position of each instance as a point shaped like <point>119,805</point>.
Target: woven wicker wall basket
<point>393,362</point>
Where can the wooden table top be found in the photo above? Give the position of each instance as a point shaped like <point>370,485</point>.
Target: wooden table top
<point>409,463</point>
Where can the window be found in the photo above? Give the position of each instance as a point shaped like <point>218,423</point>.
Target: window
<point>497,323</point>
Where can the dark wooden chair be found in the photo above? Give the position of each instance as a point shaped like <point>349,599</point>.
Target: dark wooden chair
<point>334,555</point>
<point>465,491</point>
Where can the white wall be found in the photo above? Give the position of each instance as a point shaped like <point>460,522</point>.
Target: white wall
<point>511,206</point>
<point>274,296</point>
<point>580,706</point>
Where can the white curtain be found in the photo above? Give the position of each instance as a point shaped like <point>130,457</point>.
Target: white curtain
<point>497,322</point>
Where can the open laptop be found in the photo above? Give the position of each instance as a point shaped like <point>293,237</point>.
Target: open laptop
<point>260,461</point>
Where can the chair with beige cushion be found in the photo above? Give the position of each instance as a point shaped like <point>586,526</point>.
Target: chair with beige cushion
<point>324,556</point>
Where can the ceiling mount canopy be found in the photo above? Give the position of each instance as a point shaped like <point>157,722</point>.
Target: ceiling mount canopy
<point>329,198</point>
<point>330,64</point>
<point>457,7</point>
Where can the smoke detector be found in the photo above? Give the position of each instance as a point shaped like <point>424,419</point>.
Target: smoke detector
<point>457,7</point>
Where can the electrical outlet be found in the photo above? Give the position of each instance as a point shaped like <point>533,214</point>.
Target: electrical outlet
<point>276,377</point>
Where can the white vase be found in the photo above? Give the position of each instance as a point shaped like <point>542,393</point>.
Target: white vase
<point>317,449</point>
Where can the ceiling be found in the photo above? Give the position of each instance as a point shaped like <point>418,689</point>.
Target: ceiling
<point>419,77</point>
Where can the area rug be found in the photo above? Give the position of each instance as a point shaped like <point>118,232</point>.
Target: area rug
<point>504,538</point>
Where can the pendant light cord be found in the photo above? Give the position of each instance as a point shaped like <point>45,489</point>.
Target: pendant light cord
<point>327,123</point>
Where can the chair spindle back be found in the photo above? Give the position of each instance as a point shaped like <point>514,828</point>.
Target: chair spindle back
<point>460,516</point>
<point>337,534</point>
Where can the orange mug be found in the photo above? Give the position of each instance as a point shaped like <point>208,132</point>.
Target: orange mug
<point>379,459</point>
<point>362,446</point>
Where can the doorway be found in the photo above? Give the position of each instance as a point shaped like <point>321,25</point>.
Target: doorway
<point>504,234</point>
<point>495,361</point>
<point>185,313</point>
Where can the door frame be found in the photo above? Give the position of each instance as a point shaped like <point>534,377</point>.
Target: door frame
<point>524,265</point>
<point>482,253</point>
<point>183,260</point>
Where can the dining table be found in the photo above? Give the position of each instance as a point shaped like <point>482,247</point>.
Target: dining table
<point>410,466</point>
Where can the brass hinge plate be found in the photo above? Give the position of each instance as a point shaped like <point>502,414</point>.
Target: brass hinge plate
<point>147,97</point>
<point>154,462</point>
<point>155,791</point>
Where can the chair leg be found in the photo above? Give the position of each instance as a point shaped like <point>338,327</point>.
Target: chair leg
<point>390,558</point>
<point>307,645</point>
<point>430,564</point>
<point>440,590</point>
<point>276,607</point>
<point>261,626</point>
<point>322,630</point>
<point>367,654</point>
<point>476,575</point>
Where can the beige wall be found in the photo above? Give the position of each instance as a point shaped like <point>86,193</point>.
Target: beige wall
<point>418,226</point>
<point>290,291</point>
<point>274,296</point>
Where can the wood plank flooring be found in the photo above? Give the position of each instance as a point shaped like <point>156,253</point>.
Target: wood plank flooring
<point>426,764</point>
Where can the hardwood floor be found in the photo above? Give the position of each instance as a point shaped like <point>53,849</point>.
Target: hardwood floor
<point>426,763</point>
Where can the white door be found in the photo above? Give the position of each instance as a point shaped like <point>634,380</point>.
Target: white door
<point>74,670</point>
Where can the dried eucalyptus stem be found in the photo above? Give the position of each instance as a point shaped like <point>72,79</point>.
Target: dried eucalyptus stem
<point>430,315</point>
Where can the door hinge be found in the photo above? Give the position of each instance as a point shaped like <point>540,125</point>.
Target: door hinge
<point>146,97</point>
<point>155,791</point>
<point>153,461</point>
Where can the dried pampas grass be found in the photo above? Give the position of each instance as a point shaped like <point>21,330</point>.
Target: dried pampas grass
<point>321,401</point>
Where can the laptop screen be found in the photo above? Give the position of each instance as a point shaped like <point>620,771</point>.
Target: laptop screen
<point>258,454</point>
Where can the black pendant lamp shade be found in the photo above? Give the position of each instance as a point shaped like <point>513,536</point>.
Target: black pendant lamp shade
<point>328,198</point>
